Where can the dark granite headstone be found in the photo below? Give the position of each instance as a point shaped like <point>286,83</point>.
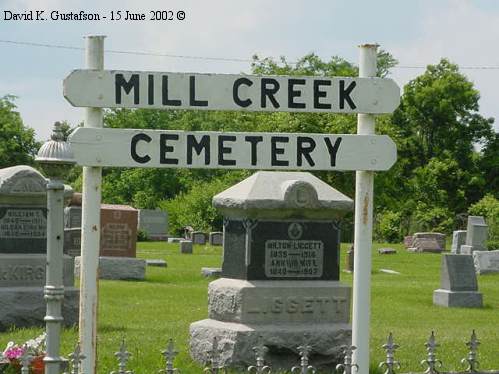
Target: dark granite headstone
<point>282,250</point>
<point>216,238</point>
<point>458,286</point>
<point>72,217</point>
<point>72,242</point>
<point>198,237</point>
<point>458,273</point>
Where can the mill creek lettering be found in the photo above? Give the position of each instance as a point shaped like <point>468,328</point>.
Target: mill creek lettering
<point>268,89</point>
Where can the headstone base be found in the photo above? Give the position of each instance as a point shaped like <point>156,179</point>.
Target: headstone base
<point>174,240</point>
<point>264,302</point>
<point>469,249</point>
<point>211,272</point>
<point>26,307</point>
<point>158,237</point>
<point>457,299</point>
<point>236,341</point>
<point>157,263</point>
<point>118,268</point>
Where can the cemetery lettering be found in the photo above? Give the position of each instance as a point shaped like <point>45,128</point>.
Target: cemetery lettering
<point>225,144</point>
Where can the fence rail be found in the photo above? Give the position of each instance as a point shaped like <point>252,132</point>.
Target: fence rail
<point>215,365</point>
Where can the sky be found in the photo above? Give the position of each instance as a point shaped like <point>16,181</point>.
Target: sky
<point>416,33</point>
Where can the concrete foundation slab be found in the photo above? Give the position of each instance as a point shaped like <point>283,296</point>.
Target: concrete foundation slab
<point>236,341</point>
<point>458,299</point>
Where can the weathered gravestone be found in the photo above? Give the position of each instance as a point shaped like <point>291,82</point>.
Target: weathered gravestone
<point>154,223</point>
<point>23,248</point>
<point>185,246</point>
<point>432,242</point>
<point>280,273</point>
<point>211,272</point>
<point>118,268</point>
<point>458,285</point>
<point>458,239</point>
<point>72,241</point>
<point>118,244</point>
<point>198,237</point>
<point>72,226</point>
<point>387,251</point>
<point>156,263</point>
<point>175,240</point>
<point>408,241</point>
<point>119,230</point>
<point>486,261</point>
<point>476,235</point>
<point>72,216</point>
<point>216,238</point>
<point>349,259</point>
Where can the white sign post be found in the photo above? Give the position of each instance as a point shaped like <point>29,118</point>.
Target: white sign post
<point>95,147</point>
<point>90,227</point>
<point>363,228</point>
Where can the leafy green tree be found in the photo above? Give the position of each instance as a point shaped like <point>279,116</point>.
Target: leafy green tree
<point>194,207</point>
<point>17,141</point>
<point>489,164</point>
<point>488,207</point>
<point>439,112</point>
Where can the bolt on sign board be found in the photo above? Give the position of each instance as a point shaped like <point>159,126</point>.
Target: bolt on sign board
<point>164,90</point>
<point>184,149</point>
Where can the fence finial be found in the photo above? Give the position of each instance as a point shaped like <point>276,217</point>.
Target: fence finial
<point>347,364</point>
<point>260,350</point>
<point>25,359</point>
<point>169,354</point>
<point>304,367</point>
<point>471,362</point>
<point>75,359</point>
<point>431,361</point>
<point>390,363</point>
<point>122,355</point>
<point>214,364</point>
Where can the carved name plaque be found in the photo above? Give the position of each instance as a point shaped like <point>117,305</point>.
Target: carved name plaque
<point>23,230</point>
<point>116,236</point>
<point>293,258</point>
<point>23,223</point>
<point>287,250</point>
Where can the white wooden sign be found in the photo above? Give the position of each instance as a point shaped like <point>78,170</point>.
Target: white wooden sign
<point>182,149</point>
<point>157,90</point>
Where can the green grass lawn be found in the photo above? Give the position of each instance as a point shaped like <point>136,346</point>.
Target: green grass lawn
<point>149,312</point>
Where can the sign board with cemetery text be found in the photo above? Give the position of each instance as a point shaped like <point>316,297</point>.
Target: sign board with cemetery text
<point>163,90</point>
<point>271,151</point>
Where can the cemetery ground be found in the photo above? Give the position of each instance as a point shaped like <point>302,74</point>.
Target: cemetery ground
<point>149,312</point>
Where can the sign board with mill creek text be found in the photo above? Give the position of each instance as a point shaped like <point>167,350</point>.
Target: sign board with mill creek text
<point>182,149</point>
<point>165,90</point>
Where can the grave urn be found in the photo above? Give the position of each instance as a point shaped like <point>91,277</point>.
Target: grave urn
<point>280,274</point>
